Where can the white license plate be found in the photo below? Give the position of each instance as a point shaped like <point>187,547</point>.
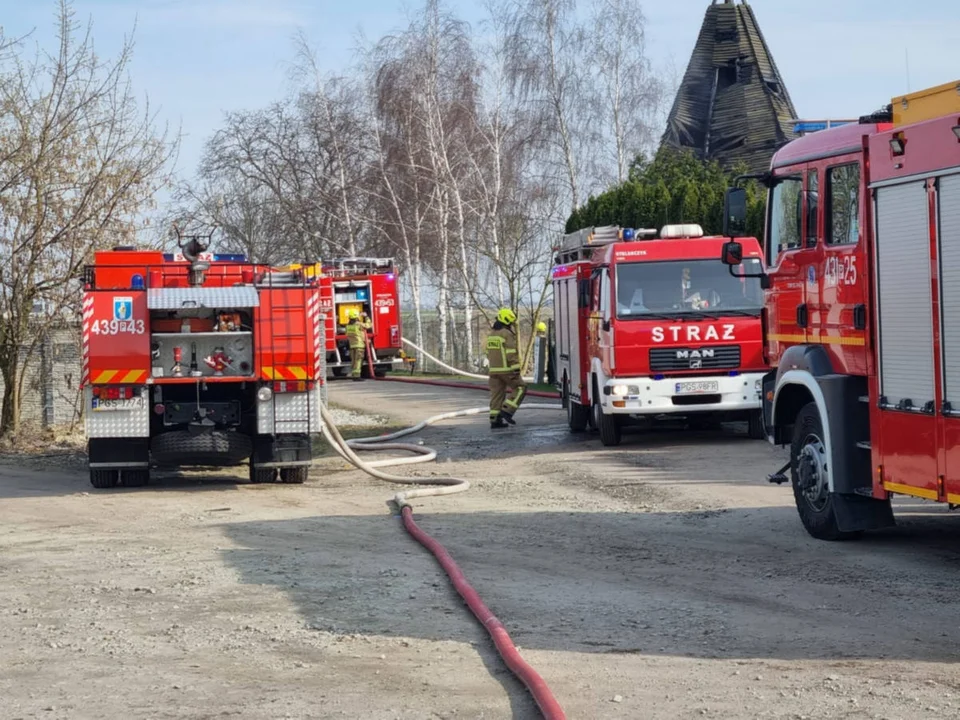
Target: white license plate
<point>134,403</point>
<point>699,386</point>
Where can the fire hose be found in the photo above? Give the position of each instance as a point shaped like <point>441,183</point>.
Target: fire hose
<point>442,485</point>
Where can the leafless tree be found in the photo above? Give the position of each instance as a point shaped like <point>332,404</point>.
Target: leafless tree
<point>79,160</point>
<point>629,96</point>
<point>548,70</point>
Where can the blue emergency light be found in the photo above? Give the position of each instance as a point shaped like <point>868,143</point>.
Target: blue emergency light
<point>810,126</point>
<point>218,257</point>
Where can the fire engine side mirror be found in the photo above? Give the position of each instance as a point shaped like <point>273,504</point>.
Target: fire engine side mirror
<point>735,212</point>
<point>732,253</point>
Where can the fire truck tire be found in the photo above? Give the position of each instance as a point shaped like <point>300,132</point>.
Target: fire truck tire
<point>217,449</point>
<point>578,417</point>
<point>294,475</point>
<point>135,478</point>
<point>608,425</point>
<point>810,490</point>
<point>259,475</point>
<point>103,479</point>
<point>755,429</point>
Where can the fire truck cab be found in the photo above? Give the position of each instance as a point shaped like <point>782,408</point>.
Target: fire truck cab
<point>197,359</point>
<point>369,286</point>
<point>648,328</point>
<point>862,311</point>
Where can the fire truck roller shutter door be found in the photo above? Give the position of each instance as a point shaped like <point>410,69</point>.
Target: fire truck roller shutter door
<point>904,294</point>
<point>948,196</point>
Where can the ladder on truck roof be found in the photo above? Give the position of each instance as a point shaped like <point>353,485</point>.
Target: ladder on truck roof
<point>286,370</point>
<point>345,267</point>
<point>579,245</point>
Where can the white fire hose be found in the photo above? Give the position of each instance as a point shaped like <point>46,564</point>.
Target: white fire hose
<point>453,369</point>
<point>443,485</point>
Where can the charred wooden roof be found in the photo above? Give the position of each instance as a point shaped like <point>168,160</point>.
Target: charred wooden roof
<point>732,104</point>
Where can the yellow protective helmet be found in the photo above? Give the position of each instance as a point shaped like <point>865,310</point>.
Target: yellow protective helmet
<point>541,327</point>
<point>353,314</point>
<point>507,316</point>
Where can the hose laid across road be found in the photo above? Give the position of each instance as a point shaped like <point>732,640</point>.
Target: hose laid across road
<point>442,485</point>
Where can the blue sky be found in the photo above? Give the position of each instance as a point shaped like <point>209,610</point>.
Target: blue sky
<point>196,59</point>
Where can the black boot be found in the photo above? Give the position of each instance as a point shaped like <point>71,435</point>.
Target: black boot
<point>497,423</point>
<point>508,418</point>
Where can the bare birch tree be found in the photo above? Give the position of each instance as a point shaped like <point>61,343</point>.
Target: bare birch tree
<point>629,97</point>
<point>548,71</point>
<point>79,160</point>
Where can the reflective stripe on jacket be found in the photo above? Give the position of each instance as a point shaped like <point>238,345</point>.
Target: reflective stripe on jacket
<point>356,334</point>
<point>502,354</point>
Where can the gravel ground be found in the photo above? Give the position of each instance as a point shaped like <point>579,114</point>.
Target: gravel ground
<point>660,579</point>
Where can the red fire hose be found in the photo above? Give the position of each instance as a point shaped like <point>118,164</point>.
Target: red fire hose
<point>518,666</point>
<point>538,688</point>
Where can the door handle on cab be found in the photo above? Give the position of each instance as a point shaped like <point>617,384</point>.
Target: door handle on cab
<point>860,317</point>
<point>802,315</point>
<point>606,324</point>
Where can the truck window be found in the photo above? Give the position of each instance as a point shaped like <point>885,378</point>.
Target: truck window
<point>843,221</point>
<point>813,202</point>
<point>604,294</point>
<point>595,291</point>
<point>685,286</point>
<point>784,218</point>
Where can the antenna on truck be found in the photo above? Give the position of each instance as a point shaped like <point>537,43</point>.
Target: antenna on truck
<point>192,246</point>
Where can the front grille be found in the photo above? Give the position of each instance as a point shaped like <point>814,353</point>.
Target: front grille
<point>724,357</point>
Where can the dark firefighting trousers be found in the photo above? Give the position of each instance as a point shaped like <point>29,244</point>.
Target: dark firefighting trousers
<point>506,393</point>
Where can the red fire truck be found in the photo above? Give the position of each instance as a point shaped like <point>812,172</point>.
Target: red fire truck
<point>198,359</point>
<point>862,278</point>
<point>369,286</point>
<point>653,328</point>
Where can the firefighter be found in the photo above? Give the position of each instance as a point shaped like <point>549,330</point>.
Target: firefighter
<point>357,335</point>
<point>506,386</point>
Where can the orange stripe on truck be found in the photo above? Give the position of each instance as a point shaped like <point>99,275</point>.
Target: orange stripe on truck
<point>288,372</point>
<point>125,377</point>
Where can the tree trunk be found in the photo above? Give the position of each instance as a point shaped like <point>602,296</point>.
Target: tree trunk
<point>10,410</point>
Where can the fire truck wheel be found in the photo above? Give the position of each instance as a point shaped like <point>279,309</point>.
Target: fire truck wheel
<point>135,478</point>
<point>578,417</point>
<point>216,449</point>
<point>102,479</point>
<point>608,425</point>
<point>808,473</point>
<point>294,475</point>
<point>259,475</point>
<point>755,430</point>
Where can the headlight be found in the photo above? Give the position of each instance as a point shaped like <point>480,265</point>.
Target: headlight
<point>619,390</point>
<point>264,394</point>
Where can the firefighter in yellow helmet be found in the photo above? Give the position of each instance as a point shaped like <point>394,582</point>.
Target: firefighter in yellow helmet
<point>506,386</point>
<point>357,335</point>
<point>541,329</point>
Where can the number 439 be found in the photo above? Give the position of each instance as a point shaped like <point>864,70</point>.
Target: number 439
<point>116,327</point>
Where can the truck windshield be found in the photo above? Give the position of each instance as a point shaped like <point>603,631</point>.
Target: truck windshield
<point>686,287</point>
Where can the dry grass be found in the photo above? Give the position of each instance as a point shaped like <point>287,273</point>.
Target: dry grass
<point>40,442</point>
